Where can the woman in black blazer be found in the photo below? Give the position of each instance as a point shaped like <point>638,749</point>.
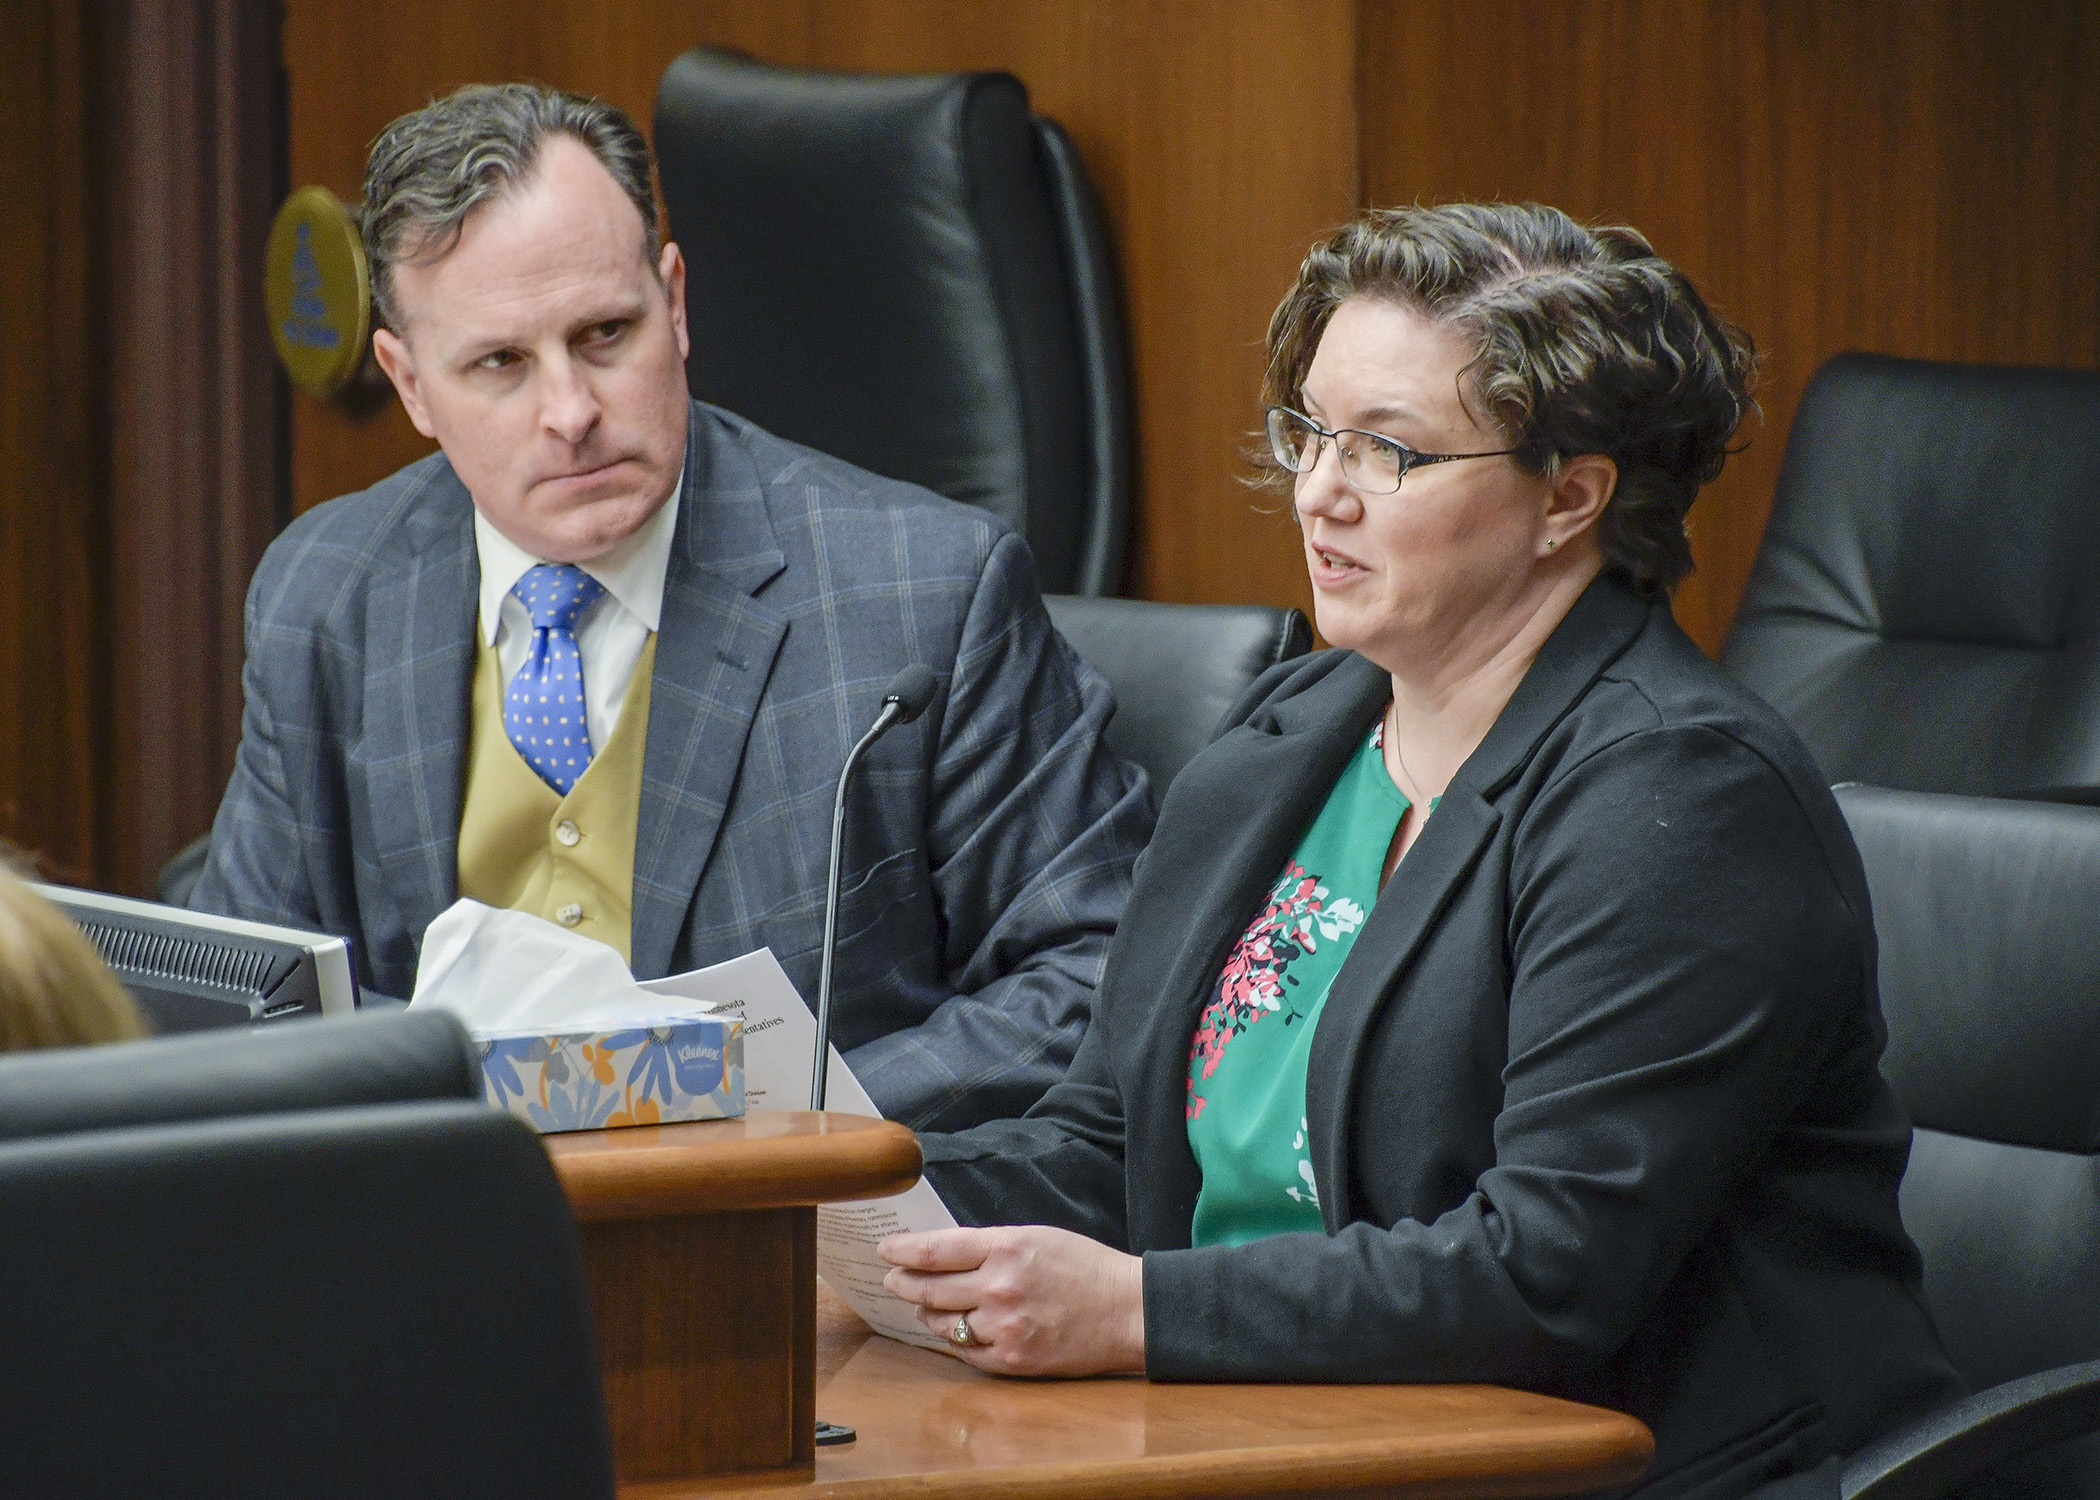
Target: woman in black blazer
<point>1592,1104</point>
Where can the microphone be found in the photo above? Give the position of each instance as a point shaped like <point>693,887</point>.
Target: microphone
<point>907,696</point>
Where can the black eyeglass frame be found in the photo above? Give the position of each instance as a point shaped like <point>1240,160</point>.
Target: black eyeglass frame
<point>1410,458</point>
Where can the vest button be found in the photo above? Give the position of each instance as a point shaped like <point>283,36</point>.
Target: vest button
<point>569,915</point>
<point>567,833</point>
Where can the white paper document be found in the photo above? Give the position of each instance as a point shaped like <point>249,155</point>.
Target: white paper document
<point>780,1037</point>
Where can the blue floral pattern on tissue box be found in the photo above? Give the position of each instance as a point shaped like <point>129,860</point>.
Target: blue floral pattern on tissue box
<point>602,1080</point>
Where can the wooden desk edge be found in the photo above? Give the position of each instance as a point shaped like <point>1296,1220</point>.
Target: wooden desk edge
<point>769,1159</point>
<point>1607,1449</point>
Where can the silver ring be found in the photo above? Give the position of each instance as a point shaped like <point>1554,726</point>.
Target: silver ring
<point>960,1335</point>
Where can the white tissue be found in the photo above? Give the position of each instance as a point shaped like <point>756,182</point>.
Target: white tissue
<point>506,973</point>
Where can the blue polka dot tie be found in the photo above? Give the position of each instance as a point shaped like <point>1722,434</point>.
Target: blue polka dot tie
<point>544,713</point>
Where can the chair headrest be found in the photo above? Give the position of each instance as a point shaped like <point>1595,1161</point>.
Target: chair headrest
<point>1175,668</point>
<point>1945,502</point>
<point>1984,912</point>
<point>1927,570</point>
<point>837,225</point>
<point>297,1065</point>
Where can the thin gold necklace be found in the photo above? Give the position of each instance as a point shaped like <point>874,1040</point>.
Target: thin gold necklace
<point>1413,789</point>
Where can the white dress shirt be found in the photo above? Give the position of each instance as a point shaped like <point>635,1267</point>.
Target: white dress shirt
<point>610,634</point>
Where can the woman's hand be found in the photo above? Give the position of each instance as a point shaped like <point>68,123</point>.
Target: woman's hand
<point>1041,1301</point>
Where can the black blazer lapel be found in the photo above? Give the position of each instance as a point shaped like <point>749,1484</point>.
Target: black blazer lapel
<point>1261,783</point>
<point>419,648</point>
<point>1597,631</point>
<point>1449,846</point>
<point>715,649</point>
<point>1602,624</point>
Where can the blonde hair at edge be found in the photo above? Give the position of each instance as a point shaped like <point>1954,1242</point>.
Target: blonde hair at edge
<point>55,991</point>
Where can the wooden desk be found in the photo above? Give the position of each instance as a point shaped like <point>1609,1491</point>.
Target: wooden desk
<point>699,1243</point>
<point>932,1428</point>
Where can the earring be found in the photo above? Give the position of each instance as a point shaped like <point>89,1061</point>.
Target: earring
<point>1549,544</point>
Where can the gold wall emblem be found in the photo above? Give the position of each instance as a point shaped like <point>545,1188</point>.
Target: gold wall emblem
<point>318,291</point>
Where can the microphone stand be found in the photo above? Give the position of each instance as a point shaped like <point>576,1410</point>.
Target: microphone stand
<point>907,696</point>
<point>892,712</point>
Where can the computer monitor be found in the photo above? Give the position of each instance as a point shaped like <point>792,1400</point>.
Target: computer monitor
<point>191,971</point>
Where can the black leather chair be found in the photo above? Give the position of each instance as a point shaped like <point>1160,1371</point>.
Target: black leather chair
<point>1985,910</point>
<point>1175,668</point>
<point>1925,606</point>
<point>910,273</point>
<point>297,1262</point>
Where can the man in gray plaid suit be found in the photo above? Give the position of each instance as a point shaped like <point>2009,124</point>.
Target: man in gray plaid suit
<point>704,616</point>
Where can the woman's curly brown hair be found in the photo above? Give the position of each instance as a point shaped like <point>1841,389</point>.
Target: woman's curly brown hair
<point>1585,341</point>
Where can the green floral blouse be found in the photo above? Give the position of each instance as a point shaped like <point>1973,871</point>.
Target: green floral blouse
<point>1246,1104</point>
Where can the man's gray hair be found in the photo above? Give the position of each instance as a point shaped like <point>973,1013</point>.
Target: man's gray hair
<point>432,167</point>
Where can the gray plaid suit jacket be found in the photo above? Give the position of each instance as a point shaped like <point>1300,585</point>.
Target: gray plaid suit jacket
<point>989,844</point>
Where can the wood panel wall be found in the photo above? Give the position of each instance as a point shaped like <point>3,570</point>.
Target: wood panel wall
<point>1916,180</point>
<point>195,476</point>
<point>141,419</point>
<point>51,557</point>
<point>1919,179</point>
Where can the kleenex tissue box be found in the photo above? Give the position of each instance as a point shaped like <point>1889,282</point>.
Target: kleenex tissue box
<point>684,1069</point>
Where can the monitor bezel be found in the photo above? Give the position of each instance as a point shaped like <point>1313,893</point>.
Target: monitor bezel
<point>331,955</point>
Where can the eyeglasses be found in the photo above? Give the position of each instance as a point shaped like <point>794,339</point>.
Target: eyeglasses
<point>1372,463</point>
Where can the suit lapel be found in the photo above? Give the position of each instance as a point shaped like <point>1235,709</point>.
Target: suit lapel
<point>715,649</point>
<point>1284,765</point>
<point>1449,846</point>
<point>1602,624</point>
<point>419,672</point>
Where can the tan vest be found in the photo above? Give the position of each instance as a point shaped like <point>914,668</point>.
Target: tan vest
<point>525,846</point>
